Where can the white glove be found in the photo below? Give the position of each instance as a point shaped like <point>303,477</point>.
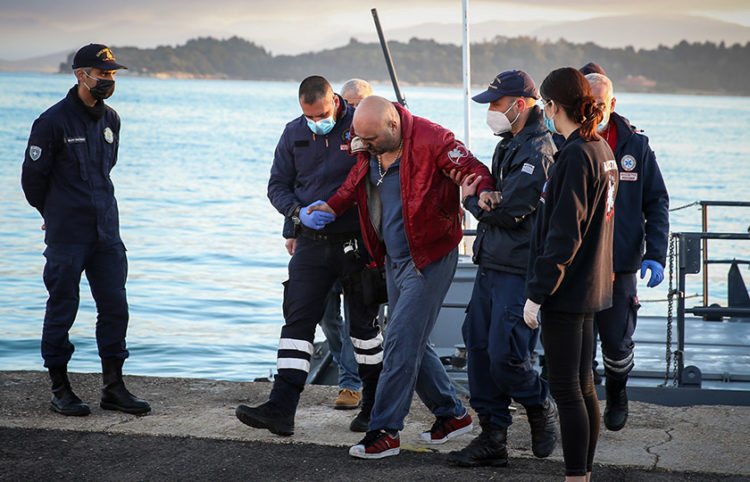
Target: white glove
<point>530,312</point>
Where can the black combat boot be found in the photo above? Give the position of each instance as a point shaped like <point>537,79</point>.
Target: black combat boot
<point>63,399</point>
<point>487,449</point>
<point>114,394</point>
<point>370,374</point>
<point>616,411</point>
<point>269,416</point>
<point>543,432</point>
<point>361,422</point>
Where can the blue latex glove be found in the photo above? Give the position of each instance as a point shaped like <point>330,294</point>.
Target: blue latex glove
<point>316,219</point>
<point>657,272</point>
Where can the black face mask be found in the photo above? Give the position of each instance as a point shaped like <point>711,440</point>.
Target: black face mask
<point>103,88</point>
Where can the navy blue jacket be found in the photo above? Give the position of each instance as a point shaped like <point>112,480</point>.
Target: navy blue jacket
<point>309,167</point>
<point>642,206</point>
<point>520,166</point>
<point>66,170</point>
<point>570,264</point>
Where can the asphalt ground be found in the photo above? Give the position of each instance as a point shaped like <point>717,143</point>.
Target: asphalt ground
<point>192,434</point>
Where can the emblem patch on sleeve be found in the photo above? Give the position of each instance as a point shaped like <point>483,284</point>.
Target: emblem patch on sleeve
<point>35,152</point>
<point>457,153</point>
<point>108,135</point>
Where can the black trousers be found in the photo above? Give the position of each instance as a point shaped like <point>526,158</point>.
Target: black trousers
<point>568,339</point>
<point>314,267</point>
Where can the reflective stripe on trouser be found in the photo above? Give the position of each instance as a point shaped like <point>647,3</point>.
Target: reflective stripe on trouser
<point>616,326</point>
<point>499,346</point>
<point>409,363</point>
<point>313,269</point>
<point>106,268</point>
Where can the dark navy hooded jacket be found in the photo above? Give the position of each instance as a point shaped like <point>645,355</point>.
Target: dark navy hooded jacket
<point>309,167</point>
<point>520,166</point>
<point>642,204</point>
<point>66,169</point>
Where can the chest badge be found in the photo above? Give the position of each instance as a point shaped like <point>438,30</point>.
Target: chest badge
<point>108,135</point>
<point>627,162</point>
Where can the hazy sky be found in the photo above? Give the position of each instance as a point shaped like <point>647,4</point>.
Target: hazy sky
<point>39,27</point>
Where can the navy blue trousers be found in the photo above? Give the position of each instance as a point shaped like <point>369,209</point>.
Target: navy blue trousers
<point>616,326</point>
<point>499,346</point>
<point>106,268</point>
<point>314,267</point>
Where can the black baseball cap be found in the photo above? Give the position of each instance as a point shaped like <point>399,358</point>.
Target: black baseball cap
<point>516,83</point>
<point>97,56</point>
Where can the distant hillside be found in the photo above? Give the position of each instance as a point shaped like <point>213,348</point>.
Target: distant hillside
<point>646,31</point>
<point>47,64</point>
<point>684,68</point>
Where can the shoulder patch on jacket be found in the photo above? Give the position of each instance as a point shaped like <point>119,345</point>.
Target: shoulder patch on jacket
<point>35,152</point>
<point>457,153</point>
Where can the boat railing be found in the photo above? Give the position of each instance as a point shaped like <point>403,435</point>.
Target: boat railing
<point>691,252</point>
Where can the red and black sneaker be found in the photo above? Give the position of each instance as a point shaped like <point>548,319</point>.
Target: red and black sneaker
<point>445,428</point>
<point>376,445</point>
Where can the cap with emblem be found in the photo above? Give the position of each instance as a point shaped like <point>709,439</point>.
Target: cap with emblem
<point>516,83</point>
<point>97,56</point>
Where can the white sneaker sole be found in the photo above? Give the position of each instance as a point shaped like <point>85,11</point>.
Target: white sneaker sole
<point>359,452</point>
<point>425,437</point>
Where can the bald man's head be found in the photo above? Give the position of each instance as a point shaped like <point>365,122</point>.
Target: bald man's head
<point>377,123</point>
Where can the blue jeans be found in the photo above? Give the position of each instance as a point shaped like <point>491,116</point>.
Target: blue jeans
<point>499,346</point>
<point>409,363</point>
<point>336,331</point>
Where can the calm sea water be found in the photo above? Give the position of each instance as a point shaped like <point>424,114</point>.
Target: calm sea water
<point>204,245</point>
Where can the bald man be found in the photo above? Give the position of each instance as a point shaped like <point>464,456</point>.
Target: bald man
<point>411,222</point>
<point>355,90</point>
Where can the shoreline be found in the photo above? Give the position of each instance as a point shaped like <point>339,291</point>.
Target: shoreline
<point>658,441</point>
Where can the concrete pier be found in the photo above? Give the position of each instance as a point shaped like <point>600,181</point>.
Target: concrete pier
<point>192,433</point>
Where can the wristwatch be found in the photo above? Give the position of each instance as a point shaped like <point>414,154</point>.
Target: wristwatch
<point>295,215</point>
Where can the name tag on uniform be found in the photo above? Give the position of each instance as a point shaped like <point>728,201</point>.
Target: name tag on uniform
<point>344,147</point>
<point>628,176</point>
<point>528,168</point>
<point>75,140</point>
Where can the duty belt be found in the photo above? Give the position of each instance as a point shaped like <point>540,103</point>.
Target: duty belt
<point>328,237</point>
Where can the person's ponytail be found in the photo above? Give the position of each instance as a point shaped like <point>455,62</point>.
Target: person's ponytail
<point>591,116</point>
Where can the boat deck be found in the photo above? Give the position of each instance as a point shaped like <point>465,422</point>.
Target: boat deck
<point>720,350</point>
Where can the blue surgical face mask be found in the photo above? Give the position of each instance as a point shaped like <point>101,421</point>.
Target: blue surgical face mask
<point>549,122</point>
<point>603,124</point>
<point>321,127</point>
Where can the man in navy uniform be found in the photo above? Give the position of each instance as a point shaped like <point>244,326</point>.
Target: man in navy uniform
<point>641,221</point>
<point>71,151</point>
<point>498,341</point>
<point>310,163</point>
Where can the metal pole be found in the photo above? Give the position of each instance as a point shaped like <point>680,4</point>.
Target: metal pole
<point>466,74</point>
<point>704,215</point>
<point>680,353</point>
<point>388,61</point>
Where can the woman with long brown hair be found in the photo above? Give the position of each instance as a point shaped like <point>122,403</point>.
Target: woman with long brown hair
<point>570,270</point>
